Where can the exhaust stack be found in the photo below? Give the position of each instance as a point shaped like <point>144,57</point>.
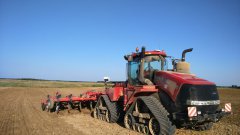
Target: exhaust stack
<point>182,66</point>
<point>184,53</point>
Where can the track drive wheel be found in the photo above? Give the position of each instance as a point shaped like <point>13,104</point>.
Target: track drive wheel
<point>106,110</point>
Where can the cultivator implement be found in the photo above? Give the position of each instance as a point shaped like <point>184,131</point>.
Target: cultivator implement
<point>57,103</point>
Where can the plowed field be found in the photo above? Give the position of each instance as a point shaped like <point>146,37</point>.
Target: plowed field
<point>21,114</point>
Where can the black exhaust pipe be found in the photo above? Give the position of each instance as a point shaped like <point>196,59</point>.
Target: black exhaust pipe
<point>184,52</point>
<point>141,77</point>
<point>143,52</point>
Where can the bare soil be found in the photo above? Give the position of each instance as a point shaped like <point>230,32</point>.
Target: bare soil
<point>21,114</point>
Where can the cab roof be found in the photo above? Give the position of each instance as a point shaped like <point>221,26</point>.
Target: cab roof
<point>147,53</point>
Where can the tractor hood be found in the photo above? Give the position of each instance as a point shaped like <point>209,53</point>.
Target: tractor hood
<point>182,78</point>
<point>171,82</point>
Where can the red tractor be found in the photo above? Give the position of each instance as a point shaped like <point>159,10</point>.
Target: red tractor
<point>154,100</point>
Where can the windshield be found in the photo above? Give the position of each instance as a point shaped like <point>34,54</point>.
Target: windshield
<point>155,63</point>
<point>151,64</point>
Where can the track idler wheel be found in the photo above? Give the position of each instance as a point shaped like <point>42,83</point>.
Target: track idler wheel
<point>134,127</point>
<point>154,126</point>
<point>145,130</point>
<point>129,121</point>
<point>138,128</point>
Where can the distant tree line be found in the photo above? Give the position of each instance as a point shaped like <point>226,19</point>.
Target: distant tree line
<point>33,79</point>
<point>233,86</point>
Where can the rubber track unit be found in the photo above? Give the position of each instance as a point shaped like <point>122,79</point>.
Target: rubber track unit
<point>160,113</point>
<point>112,108</point>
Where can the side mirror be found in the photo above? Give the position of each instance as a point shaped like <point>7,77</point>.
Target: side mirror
<point>129,58</point>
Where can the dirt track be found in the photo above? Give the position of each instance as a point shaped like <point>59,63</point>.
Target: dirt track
<point>21,114</point>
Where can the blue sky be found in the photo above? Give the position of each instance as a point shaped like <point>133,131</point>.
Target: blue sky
<point>86,40</point>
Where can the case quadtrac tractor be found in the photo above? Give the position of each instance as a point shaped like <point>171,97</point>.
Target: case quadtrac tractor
<point>154,100</point>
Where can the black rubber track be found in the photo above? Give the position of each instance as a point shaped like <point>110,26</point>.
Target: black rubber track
<point>112,108</point>
<point>160,113</point>
<point>120,112</point>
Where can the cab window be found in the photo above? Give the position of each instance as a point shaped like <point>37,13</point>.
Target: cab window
<point>133,72</point>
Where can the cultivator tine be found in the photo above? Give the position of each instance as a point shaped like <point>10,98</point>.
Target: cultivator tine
<point>57,109</point>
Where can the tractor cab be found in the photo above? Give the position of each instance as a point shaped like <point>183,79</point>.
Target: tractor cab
<point>142,65</point>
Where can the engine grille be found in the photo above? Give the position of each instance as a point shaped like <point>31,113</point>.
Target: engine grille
<point>207,95</point>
